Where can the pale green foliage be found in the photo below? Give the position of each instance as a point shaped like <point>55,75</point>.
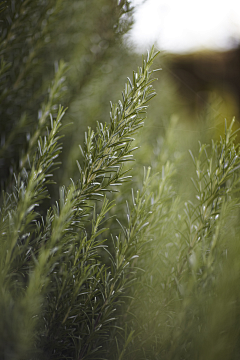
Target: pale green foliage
<point>183,300</point>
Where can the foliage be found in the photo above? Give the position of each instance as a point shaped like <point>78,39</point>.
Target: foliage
<point>183,299</point>
<point>34,36</point>
<point>52,275</point>
<point>117,267</point>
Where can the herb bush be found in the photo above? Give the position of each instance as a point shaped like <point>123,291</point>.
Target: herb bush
<point>95,275</point>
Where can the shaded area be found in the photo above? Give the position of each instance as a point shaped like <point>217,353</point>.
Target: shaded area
<point>199,75</point>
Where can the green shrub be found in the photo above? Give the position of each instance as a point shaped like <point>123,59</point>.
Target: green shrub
<point>57,294</point>
<point>95,275</point>
<point>185,304</point>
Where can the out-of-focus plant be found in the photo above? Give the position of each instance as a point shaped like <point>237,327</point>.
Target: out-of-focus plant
<point>182,299</point>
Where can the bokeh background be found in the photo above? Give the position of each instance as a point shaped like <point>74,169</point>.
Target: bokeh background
<point>198,85</point>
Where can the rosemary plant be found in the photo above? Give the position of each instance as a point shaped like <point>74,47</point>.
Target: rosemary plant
<point>62,292</point>
<point>84,277</point>
<point>183,300</point>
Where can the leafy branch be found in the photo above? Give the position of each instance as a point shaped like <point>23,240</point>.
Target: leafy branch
<point>217,180</point>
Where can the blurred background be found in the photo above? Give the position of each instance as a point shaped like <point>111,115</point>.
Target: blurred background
<point>202,44</point>
<point>186,26</point>
<point>199,84</point>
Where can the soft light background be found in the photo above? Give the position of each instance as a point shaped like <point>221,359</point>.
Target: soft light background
<point>186,25</point>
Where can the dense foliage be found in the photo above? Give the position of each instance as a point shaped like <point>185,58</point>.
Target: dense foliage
<point>114,266</point>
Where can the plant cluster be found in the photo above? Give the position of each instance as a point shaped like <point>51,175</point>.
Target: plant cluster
<point>86,277</point>
<point>185,303</point>
<point>57,293</point>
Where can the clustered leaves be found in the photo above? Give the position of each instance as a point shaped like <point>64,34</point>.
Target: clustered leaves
<point>25,101</point>
<point>162,283</point>
<point>106,150</point>
<point>52,259</point>
<point>194,250</point>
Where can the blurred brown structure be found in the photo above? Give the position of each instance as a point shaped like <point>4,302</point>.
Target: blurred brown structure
<point>200,75</point>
